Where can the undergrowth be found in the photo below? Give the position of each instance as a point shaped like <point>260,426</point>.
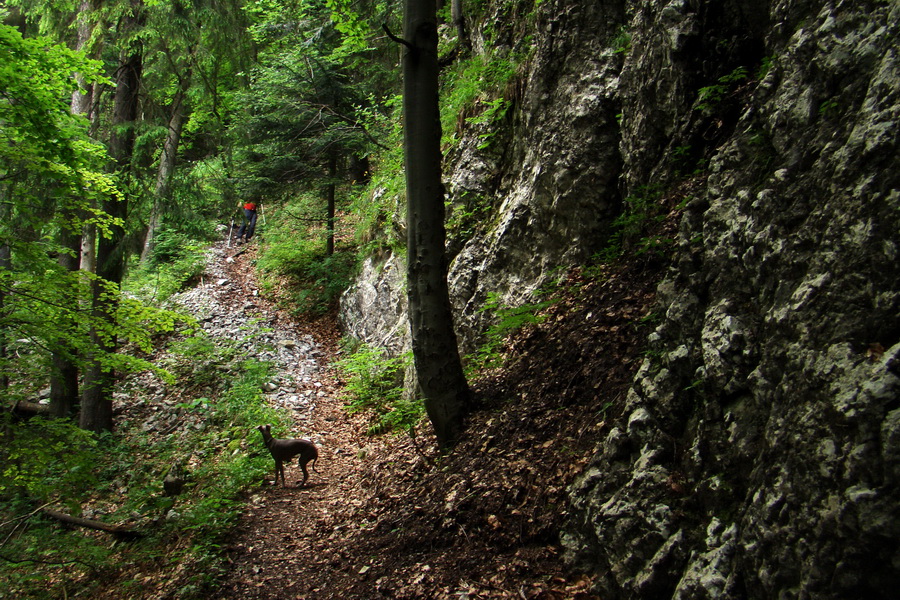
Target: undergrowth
<point>508,320</point>
<point>176,262</point>
<point>294,264</point>
<point>374,384</point>
<point>117,478</point>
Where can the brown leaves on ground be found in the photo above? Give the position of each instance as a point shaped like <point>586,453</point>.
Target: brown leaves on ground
<point>389,517</point>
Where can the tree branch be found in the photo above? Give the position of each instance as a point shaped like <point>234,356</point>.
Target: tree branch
<point>125,531</point>
<point>399,40</point>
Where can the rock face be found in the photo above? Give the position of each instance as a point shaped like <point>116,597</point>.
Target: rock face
<point>758,455</point>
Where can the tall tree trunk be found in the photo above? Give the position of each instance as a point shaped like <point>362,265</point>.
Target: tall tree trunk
<point>64,375</point>
<point>89,248</point>
<point>96,401</point>
<point>435,350</point>
<point>5,265</point>
<point>456,16</point>
<point>329,193</point>
<point>166,165</point>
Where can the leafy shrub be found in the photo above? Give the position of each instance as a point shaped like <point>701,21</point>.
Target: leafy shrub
<point>474,92</point>
<point>375,384</point>
<point>44,460</point>
<point>120,476</point>
<point>641,208</point>
<point>709,98</point>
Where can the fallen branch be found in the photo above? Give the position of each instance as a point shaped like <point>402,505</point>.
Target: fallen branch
<point>26,409</point>
<point>124,531</point>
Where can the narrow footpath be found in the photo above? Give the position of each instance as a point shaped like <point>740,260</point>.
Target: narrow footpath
<point>286,531</point>
<point>388,516</point>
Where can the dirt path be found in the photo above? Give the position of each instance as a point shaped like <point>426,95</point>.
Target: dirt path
<point>387,517</point>
<point>287,531</point>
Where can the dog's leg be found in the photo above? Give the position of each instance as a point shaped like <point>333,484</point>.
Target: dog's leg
<point>305,473</point>
<point>279,469</point>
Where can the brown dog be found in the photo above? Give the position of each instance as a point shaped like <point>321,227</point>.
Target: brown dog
<point>285,450</point>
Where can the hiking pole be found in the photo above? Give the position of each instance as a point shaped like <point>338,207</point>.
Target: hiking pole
<point>262,213</point>
<point>230,231</point>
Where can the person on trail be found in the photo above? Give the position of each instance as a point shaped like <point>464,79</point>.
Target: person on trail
<point>249,225</point>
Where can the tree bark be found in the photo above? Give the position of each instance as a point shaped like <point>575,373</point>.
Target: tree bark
<point>166,165</point>
<point>96,401</point>
<point>456,16</point>
<point>435,350</point>
<point>329,193</point>
<point>124,531</point>
<point>6,265</point>
<point>64,375</point>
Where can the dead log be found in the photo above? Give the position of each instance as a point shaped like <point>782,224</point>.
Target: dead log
<point>24,409</point>
<point>122,531</point>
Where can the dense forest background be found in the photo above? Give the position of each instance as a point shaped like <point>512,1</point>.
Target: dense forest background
<point>132,134</point>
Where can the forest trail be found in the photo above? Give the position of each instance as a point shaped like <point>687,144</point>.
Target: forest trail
<point>284,532</point>
<point>387,516</point>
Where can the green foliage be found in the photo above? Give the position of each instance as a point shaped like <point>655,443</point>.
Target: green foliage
<point>294,259</point>
<point>494,111</point>
<point>176,263</point>
<point>768,62</point>
<point>376,206</point>
<point>120,477</point>
<point>709,98</point>
<point>621,43</point>
<point>374,383</point>
<point>633,230</point>
<point>639,211</point>
<point>475,92</point>
<point>47,460</point>
<point>828,107</point>
<point>465,215</point>
<point>508,320</point>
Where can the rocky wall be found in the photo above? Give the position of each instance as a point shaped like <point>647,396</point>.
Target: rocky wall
<point>758,453</point>
<point>548,179</point>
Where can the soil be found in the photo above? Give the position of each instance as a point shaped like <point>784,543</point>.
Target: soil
<point>390,517</point>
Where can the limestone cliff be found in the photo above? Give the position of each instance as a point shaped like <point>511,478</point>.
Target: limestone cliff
<point>759,452</point>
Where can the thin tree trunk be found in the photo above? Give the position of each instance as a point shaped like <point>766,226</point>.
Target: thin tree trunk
<point>96,402</point>
<point>435,350</point>
<point>64,374</point>
<point>456,16</point>
<point>329,219</point>
<point>5,265</point>
<point>166,165</point>
<point>89,248</point>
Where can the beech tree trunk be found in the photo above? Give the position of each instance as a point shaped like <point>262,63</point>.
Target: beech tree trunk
<point>6,265</point>
<point>64,376</point>
<point>96,401</point>
<point>435,350</point>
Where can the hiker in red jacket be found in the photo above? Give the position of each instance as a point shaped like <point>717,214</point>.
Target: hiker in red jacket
<point>249,225</point>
